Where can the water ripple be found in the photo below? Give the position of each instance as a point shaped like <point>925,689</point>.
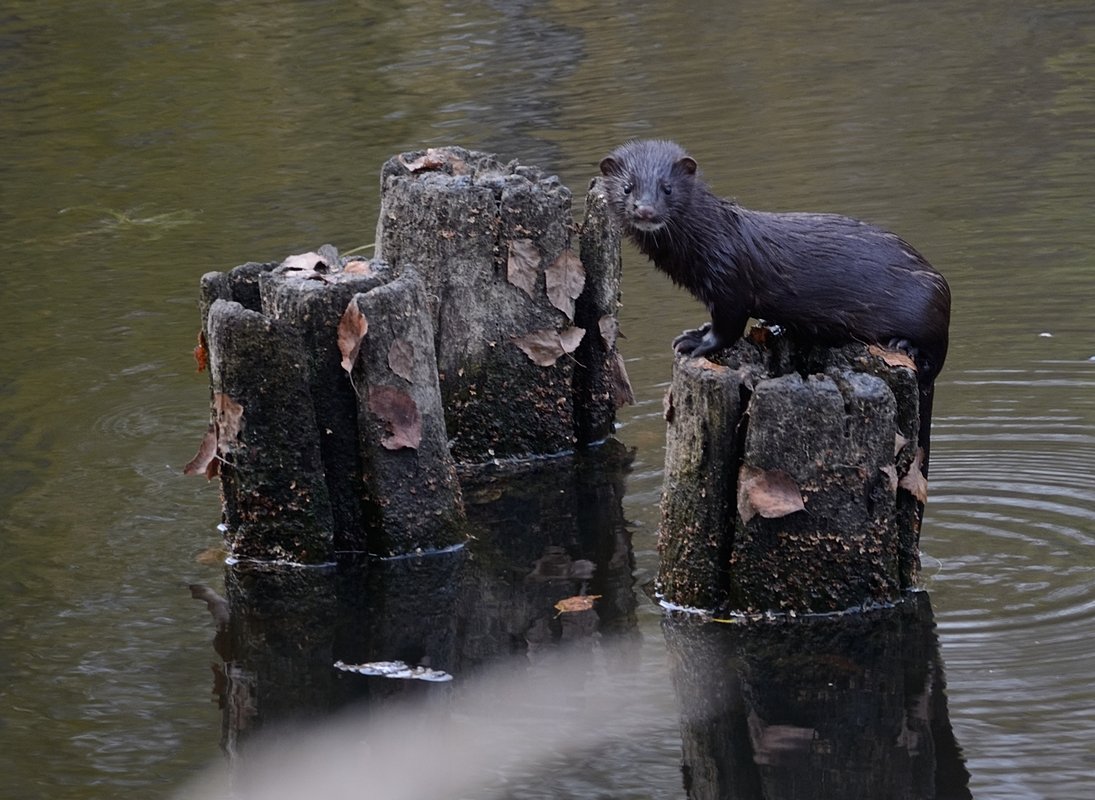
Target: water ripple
<point>1009,545</point>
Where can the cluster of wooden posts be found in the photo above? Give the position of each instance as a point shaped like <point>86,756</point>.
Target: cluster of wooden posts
<point>348,396</point>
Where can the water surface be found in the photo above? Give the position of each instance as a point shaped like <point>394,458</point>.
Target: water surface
<point>146,143</point>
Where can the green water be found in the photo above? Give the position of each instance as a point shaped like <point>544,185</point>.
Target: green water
<point>146,143</point>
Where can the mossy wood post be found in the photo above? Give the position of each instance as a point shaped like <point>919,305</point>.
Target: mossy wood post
<point>601,382</point>
<point>409,475</point>
<point>493,243</point>
<point>789,480</point>
<point>308,466</point>
<point>519,338</point>
<point>313,304</point>
<point>275,498</point>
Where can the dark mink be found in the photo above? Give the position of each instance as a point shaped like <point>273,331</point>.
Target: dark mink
<point>822,275</point>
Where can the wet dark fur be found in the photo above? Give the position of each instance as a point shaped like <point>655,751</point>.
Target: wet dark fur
<point>822,275</point>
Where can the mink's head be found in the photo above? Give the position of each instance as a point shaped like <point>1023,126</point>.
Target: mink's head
<point>648,181</point>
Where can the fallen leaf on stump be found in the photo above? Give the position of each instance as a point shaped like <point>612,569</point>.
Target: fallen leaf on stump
<point>435,158</point>
<point>894,358</point>
<point>582,602</point>
<point>400,415</point>
<point>890,471</point>
<point>205,461</point>
<point>229,420</point>
<point>201,352</point>
<point>523,265</point>
<point>610,330</point>
<point>564,281</point>
<point>351,331</point>
<point>899,442</point>
<point>770,493</point>
<point>219,436</point>
<point>401,359</point>
<point>359,267</point>
<point>914,481</point>
<point>620,384</point>
<point>545,347</point>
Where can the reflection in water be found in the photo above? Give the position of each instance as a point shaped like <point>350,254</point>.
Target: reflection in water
<point>823,707</point>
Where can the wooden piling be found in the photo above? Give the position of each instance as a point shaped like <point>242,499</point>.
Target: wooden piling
<point>409,477</point>
<point>512,303</point>
<point>786,479</point>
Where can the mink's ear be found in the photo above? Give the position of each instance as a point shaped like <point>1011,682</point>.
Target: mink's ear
<point>688,164</point>
<point>610,166</point>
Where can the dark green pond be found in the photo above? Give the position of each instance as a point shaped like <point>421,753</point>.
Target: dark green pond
<point>146,143</point>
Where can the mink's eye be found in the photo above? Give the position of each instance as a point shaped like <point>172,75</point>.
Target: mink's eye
<point>667,189</point>
<point>628,187</point>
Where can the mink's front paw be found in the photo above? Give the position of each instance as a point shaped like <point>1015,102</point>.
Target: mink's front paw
<point>699,341</point>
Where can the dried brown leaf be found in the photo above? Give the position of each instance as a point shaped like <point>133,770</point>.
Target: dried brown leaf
<point>205,461</point>
<point>914,481</point>
<point>610,330</point>
<point>622,393</point>
<point>895,358</point>
<point>571,338</point>
<point>890,471</point>
<point>523,265</point>
<point>201,352</point>
<point>359,267</point>
<point>400,415</point>
<point>564,281</point>
<point>351,331</point>
<point>401,359</point>
<point>433,159</point>
<point>583,602</point>
<point>770,493</point>
<point>228,416</point>
<point>759,334</point>
<point>899,442</point>
<point>545,347</point>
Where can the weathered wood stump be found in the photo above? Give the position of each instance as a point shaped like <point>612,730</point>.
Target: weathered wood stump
<point>313,307</point>
<point>409,476</point>
<point>790,479</point>
<point>514,308</point>
<point>276,503</point>
<point>344,392</point>
<point>308,464</point>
